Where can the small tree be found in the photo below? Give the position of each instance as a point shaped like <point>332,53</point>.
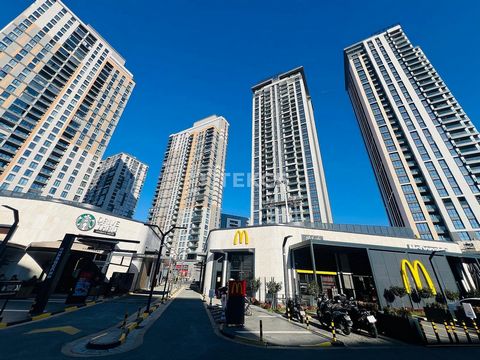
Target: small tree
<point>273,288</point>
<point>255,286</point>
<point>313,288</point>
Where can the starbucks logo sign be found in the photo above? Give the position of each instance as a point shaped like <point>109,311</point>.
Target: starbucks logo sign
<point>86,222</point>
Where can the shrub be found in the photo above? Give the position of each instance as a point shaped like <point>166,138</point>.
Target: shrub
<point>452,295</point>
<point>398,291</point>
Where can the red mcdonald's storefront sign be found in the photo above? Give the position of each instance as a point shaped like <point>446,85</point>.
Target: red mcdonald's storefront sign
<point>237,288</point>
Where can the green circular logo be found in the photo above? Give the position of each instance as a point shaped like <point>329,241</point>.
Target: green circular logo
<point>86,222</point>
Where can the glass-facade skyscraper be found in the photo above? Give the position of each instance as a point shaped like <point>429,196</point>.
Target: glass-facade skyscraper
<point>63,89</point>
<point>424,149</point>
<point>288,182</point>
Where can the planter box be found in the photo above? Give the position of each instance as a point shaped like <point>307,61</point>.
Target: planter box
<point>437,315</point>
<point>401,328</point>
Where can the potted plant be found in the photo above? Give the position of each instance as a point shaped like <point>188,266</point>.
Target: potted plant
<point>389,295</point>
<point>452,295</point>
<point>398,291</point>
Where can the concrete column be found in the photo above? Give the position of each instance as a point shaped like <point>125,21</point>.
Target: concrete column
<point>224,270</point>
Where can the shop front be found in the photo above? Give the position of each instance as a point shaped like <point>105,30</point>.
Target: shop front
<point>378,265</point>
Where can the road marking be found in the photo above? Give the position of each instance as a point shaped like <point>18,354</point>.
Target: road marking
<point>70,330</point>
<point>7,310</point>
<point>266,316</point>
<point>276,332</point>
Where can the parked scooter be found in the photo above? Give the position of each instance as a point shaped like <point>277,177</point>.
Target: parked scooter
<point>296,311</point>
<point>328,311</point>
<point>362,318</point>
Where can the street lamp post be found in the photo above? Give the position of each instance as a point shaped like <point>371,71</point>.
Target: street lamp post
<point>285,269</point>
<point>157,262</point>
<point>432,254</point>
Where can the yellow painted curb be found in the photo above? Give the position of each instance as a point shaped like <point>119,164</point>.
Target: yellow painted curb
<point>41,316</point>
<point>3,325</point>
<point>90,303</point>
<point>71,308</point>
<point>122,338</point>
<point>132,326</point>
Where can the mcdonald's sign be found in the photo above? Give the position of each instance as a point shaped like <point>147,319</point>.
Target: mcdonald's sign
<point>415,270</point>
<point>240,237</point>
<point>237,288</point>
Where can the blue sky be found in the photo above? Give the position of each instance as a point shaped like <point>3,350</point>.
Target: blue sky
<point>194,58</point>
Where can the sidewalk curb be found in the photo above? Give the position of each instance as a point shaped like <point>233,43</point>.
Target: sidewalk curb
<point>257,342</point>
<point>128,328</point>
<point>43,316</point>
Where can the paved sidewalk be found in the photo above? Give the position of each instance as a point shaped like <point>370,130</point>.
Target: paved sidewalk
<point>276,330</point>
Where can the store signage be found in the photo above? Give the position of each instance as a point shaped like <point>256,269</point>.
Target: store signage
<point>468,309</point>
<point>102,225</point>
<point>107,226</point>
<point>85,222</point>
<point>426,248</point>
<point>237,288</point>
<point>414,270</point>
<point>240,237</point>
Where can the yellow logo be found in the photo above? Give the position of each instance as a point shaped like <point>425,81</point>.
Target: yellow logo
<point>240,237</point>
<point>235,288</point>
<point>415,271</point>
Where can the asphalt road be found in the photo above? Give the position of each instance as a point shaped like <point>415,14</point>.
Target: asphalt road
<point>184,332</point>
<point>16,343</point>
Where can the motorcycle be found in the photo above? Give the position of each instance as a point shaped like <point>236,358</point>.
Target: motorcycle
<point>296,311</point>
<point>362,318</point>
<point>328,311</point>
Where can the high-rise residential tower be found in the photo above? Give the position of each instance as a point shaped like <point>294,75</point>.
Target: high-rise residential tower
<point>424,149</point>
<point>117,184</point>
<point>62,91</point>
<point>190,186</point>
<point>288,182</point>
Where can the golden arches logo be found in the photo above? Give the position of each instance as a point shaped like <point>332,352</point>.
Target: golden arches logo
<point>240,237</point>
<point>415,271</point>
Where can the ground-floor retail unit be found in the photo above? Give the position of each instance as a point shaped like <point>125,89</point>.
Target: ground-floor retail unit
<point>49,233</point>
<point>364,262</point>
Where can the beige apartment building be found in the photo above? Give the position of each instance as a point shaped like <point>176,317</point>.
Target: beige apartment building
<point>63,89</point>
<point>190,186</point>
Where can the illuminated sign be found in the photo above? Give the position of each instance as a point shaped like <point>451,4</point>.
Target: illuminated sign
<point>240,237</point>
<point>237,288</point>
<point>415,269</point>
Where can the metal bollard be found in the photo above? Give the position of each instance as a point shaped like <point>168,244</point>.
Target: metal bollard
<point>452,326</point>
<point>289,315</point>
<point>125,320</point>
<point>469,339</point>
<point>334,336</point>
<point>435,330</point>
<point>476,328</point>
<point>448,332</point>
<point>261,330</point>
<point>307,321</point>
